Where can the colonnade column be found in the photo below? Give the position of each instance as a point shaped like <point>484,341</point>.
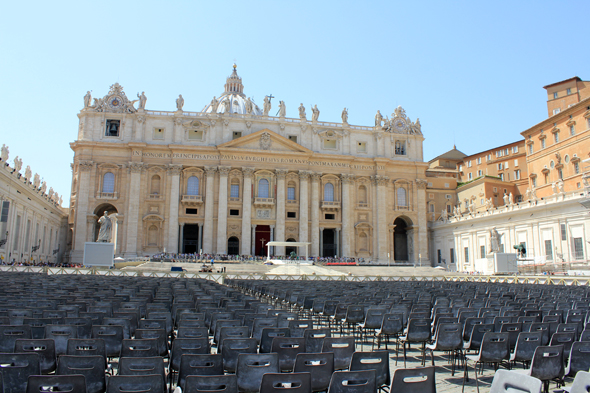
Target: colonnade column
<point>347,180</point>
<point>181,238</point>
<point>84,168</point>
<point>421,237</point>
<point>174,172</point>
<point>253,245</point>
<point>303,206</point>
<point>209,201</point>
<point>382,241</point>
<point>337,241</point>
<point>246,240</point>
<point>135,169</point>
<point>280,231</point>
<point>315,214</point>
<point>222,212</point>
<point>200,238</point>
<point>272,239</point>
<point>321,235</point>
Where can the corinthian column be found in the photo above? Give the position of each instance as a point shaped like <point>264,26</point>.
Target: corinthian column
<point>382,241</point>
<point>315,214</point>
<point>84,168</point>
<point>174,172</point>
<point>303,205</point>
<point>246,239</point>
<point>222,212</point>
<point>280,231</point>
<point>347,180</point>
<point>209,202</point>
<point>135,169</point>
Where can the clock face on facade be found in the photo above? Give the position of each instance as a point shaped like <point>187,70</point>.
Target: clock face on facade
<point>400,125</point>
<point>115,102</point>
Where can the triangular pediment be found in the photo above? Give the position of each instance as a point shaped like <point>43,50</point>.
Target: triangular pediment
<point>265,140</point>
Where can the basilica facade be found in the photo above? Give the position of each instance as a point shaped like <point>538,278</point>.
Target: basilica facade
<point>231,177</point>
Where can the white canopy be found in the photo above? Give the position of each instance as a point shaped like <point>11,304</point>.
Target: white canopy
<point>287,244</point>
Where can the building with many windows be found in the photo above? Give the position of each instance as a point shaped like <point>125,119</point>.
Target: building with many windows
<point>229,178</point>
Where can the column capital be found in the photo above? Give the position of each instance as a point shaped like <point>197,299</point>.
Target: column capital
<point>272,227</point>
<point>86,165</point>
<point>174,169</point>
<point>223,170</point>
<point>421,183</point>
<point>136,167</point>
<point>315,176</point>
<point>247,172</point>
<point>210,170</point>
<point>281,173</point>
<point>347,178</point>
<point>380,180</point>
<point>304,175</point>
<point>322,228</point>
<point>253,226</point>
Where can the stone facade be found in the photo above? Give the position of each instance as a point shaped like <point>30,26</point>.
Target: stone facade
<point>32,224</point>
<point>230,178</point>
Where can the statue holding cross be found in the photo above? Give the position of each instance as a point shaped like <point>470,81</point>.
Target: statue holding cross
<point>267,105</point>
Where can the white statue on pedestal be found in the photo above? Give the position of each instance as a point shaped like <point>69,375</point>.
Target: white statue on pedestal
<point>249,107</point>
<point>28,173</point>
<point>495,239</point>
<point>18,164</point>
<point>87,99</point>
<point>43,187</point>
<point>214,105</point>
<point>506,199</point>
<point>444,215</point>
<point>266,107</point>
<point>106,226</point>
<point>36,180</point>
<point>315,113</point>
<point>4,154</point>
<point>511,199</point>
<point>302,112</point>
<point>142,100</point>
<point>378,119</point>
<point>282,109</point>
<point>179,102</point>
<point>344,115</point>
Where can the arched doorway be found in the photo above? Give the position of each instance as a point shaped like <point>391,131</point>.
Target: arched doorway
<point>99,212</point>
<point>233,246</point>
<point>289,250</point>
<point>329,243</point>
<point>400,240</point>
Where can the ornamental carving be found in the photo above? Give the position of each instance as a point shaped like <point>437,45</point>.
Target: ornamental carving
<point>304,175</point>
<point>115,101</point>
<point>247,172</point>
<point>265,141</point>
<point>400,123</point>
<point>226,122</point>
<point>291,229</point>
<point>210,170</point>
<point>281,173</point>
<point>315,176</point>
<point>136,167</point>
<point>174,170</point>
<point>86,166</point>
<point>224,170</point>
<point>140,119</point>
<point>248,124</point>
<point>178,121</point>
<point>380,180</point>
<point>347,178</point>
<point>262,213</point>
<point>421,183</point>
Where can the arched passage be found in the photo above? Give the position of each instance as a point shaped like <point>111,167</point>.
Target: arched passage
<point>233,246</point>
<point>400,240</point>
<point>99,212</point>
<point>289,250</point>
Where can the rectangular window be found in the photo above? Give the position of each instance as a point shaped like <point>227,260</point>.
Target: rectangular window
<point>495,189</point>
<point>291,193</point>
<point>516,162</point>
<point>501,176</point>
<point>195,135</point>
<point>578,248</point>
<point>293,138</point>
<point>560,173</point>
<point>500,166</point>
<point>568,91</point>
<point>192,211</point>
<point>449,209</point>
<point>234,191</point>
<point>466,252</point>
<point>291,215</point>
<point>478,160</point>
<point>400,148</point>
<point>329,143</point>
<point>439,256</point>
<point>531,149</point>
<point>572,130</point>
<point>16,233</point>
<point>534,182</point>
<point>469,164</point>
<point>517,174</point>
<point>236,134</point>
<point>329,216</point>
<point>556,111</point>
<point>158,133</point>
<point>112,128</point>
<point>549,250</point>
<point>554,95</point>
<point>469,176</point>
<point>542,143</point>
<point>482,251</point>
<point>506,152</point>
<point>460,168</point>
<point>480,173</point>
<point>489,158</point>
<point>515,149</point>
<point>234,212</point>
<point>4,214</point>
<point>576,168</point>
<point>556,137</point>
<point>361,147</point>
<point>452,255</point>
<point>563,232</point>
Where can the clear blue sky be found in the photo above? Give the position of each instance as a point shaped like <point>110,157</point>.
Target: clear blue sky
<point>472,71</point>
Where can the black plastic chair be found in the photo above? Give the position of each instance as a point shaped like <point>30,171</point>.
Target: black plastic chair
<point>269,334</point>
<point>142,366</point>
<point>299,326</point>
<point>314,339</point>
<point>261,323</point>
<point>187,346</point>
<point>286,382</point>
<point>91,367</point>
<point>287,349</point>
<point>542,327</point>
<point>86,347</point>
<point>232,347</point>
<point>10,333</point>
<point>210,364</point>
<point>477,334</point>
<point>45,348</point>
<point>563,338</point>
<point>112,336</point>
<point>136,383</point>
<point>547,365</point>
<point>376,360</point>
<point>449,338</point>
<point>159,335</point>
<point>414,380</point>
<point>418,332</point>
<point>526,344</point>
<point>83,325</point>
<point>353,382</point>
<point>373,321</point>
<point>343,348</point>
<point>319,365</point>
<point>139,348</point>
<point>38,325</point>
<point>495,348</point>
<point>211,384</point>
<point>16,369</point>
<point>56,383</point>
<point>252,367</point>
<point>61,334</point>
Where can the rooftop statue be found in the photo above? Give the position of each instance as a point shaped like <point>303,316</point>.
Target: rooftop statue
<point>302,112</point>
<point>495,238</point>
<point>87,99</point>
<point>179,102</point>
<point>214,104</point>
<point>142,100</point>
<point>315,113</point>
<point>249,107</point>
<point>18,164</point>
<point>282,109</point>
<point>106,225</point>
<point>4,153</point>
<point>266,107</point>
<point>28,173</point>
<point>36,180</point>
<point>345,115</point>
<point>43,187</point>
<point>50,192</point>
<point>226,105</point>
<point>378,119</point>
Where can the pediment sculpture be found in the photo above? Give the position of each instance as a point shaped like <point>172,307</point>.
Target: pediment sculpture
<point>115,101</point>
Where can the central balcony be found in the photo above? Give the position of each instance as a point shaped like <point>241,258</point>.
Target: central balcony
<point>330,206</point>
<point>264,202</point>
<point>192,200</point>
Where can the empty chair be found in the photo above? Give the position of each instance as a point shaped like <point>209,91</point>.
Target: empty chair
<point>287,349</point>
<point>112,336</point>
<point>56,383</point>
<point>211,384</point>
<point>319,365</point>
<point>513,329</point>
<point>495,348</point>
<point>314,339</point>
<point>581,383</point>
<point>298,327</point>
<point>547,365</point>
<point>232,347</point>
<point>261,323</point>
<point>136,383</point>
<point>83,325</point>
<point>38,325</point>
<point>124,322</point>
<point>86,347</point>
<point>139,348</point>
<point>563,338</point>
<point>342,347</point>
<point>159,335</point>
<point>449,337</point>
<point>526,344</point>
<point>182,346</point>
<point>44,348</point>
<point>16,369</point>
<point>579,359</point>
<point>251,368</point>
<point>142,366</point>
<point>414,380</point>
<point>230,332</point>
<point>353,382</point>
<point>286,382</point>
<point>61,334</point>
<point>392,325</point>
<point>377,360</point>
<point>418,332</point>
<point>510,381</point>
<point>209,364</point>
<point>269,334</point>
<point>91,367</point>
<point>541,327</point>
<point>477,334</point>
<point>10,333</point>
<point>373,321</point>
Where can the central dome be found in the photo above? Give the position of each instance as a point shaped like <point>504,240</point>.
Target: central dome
<point>233,99</point>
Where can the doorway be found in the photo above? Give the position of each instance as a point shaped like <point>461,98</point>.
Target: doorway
<point>329,243</point>
<point>400,240</point>
<point>289,250</point>
<point>190,236</point>
<point>262,237</point>
<point>233,246</point>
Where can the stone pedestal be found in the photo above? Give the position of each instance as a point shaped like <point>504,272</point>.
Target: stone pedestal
<point>99,254</point>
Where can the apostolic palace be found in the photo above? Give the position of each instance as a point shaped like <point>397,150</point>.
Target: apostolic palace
<point>231,177</point>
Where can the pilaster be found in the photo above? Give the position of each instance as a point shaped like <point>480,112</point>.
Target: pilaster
<point>209,202</point>
<point>174,173</point>
<point>381,183</point>
<point>246,240</point>
<point>135,169</point>
<point>303,205</point>
<point>222,211</point>
<point>84,168</point>
<point>280,219</point>
<point>315,214</point>
<point>347,180</point>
